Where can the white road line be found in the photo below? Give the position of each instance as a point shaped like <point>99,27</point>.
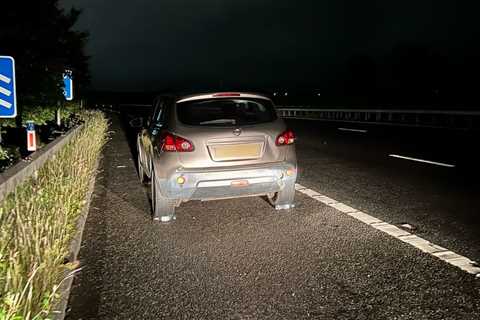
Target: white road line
<point>424,161</point>
<point>5,104</point>
<point>5,91</point>
<point>5,78</point>
<point>353,130</point>
<point>426,246</point>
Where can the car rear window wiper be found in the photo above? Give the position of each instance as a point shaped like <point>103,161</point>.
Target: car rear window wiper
<point>219,121</point>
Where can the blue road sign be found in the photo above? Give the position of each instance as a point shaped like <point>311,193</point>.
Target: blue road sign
<point>68,85</point>
<point>8,98</point>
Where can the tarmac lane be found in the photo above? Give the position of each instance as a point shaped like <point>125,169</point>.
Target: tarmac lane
<point>240,259</point>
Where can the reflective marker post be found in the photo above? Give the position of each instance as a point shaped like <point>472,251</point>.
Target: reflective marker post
<point>31,137</point>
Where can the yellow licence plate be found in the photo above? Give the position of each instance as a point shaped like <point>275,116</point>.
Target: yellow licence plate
<point>237,151</point>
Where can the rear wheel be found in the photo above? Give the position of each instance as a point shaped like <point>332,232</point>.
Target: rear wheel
<point>141,172</point>
<point>163,209</point>
<point>283,199</point>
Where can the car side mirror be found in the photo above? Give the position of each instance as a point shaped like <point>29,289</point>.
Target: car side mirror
<point>136,123</point>
<point>156,128</point>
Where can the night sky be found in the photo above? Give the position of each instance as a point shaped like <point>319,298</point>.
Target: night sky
<point>154,44</point>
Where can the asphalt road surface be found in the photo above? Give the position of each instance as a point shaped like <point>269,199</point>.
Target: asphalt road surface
<point>240,259</point>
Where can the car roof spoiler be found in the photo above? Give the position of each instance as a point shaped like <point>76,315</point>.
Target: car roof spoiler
<point>218,95</point>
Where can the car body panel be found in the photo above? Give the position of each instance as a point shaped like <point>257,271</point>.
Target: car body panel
<point>206,138</point>
<point>224,163</point>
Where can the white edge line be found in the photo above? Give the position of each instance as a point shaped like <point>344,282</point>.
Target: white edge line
<point>426,246</point>
<point>353,130</point>
<point>421,160</point>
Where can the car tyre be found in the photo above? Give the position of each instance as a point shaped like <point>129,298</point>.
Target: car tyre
<point>141,172</point>
<point>284,198</point>
<point>163,209</point>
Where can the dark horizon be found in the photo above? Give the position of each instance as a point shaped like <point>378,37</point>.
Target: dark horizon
<point>346,48</point>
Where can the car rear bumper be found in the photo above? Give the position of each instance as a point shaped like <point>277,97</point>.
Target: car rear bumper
<point>220,183</point>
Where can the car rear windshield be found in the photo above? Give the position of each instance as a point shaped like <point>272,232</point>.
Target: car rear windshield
<point>225,112</point>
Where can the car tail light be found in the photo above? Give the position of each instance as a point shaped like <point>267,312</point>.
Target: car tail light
<point>227,94</point>
<point>285,138</point>
<point>173,143</point>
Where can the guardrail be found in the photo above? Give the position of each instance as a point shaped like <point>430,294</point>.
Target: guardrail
<point>461,120</point>
<point>446,119</point>
<point>18,173</point>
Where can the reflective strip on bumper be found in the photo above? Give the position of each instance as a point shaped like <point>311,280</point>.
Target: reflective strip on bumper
<point>225,183</point>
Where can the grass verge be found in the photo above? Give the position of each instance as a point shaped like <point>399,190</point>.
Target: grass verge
<point>38,220</point>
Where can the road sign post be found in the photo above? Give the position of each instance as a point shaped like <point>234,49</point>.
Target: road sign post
<point>67,92</point>
<point>58,115</point>
<point>8,97</point>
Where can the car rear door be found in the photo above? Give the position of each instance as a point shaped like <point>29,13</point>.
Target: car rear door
<point>221,142</point>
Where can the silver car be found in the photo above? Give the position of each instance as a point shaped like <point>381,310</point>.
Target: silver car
<point>216,146</point>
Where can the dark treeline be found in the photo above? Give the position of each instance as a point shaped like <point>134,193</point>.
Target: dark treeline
<point>39,35</point>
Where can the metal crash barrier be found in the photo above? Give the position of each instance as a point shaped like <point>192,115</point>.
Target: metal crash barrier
<point>461,120</point>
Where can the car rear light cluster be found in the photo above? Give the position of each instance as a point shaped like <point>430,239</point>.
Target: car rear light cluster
<point>285,138</point>
<point>227,94</point>
<point>173,143</point>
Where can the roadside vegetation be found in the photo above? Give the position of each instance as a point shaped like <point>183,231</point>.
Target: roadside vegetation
<point>43,40</point>
<point>13,135</point>
<point>38,222</point>
<point>38,219</point>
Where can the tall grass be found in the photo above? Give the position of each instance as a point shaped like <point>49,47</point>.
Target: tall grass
<point>38,220</point>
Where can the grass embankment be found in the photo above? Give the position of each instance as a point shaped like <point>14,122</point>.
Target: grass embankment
<point>38,222</point>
